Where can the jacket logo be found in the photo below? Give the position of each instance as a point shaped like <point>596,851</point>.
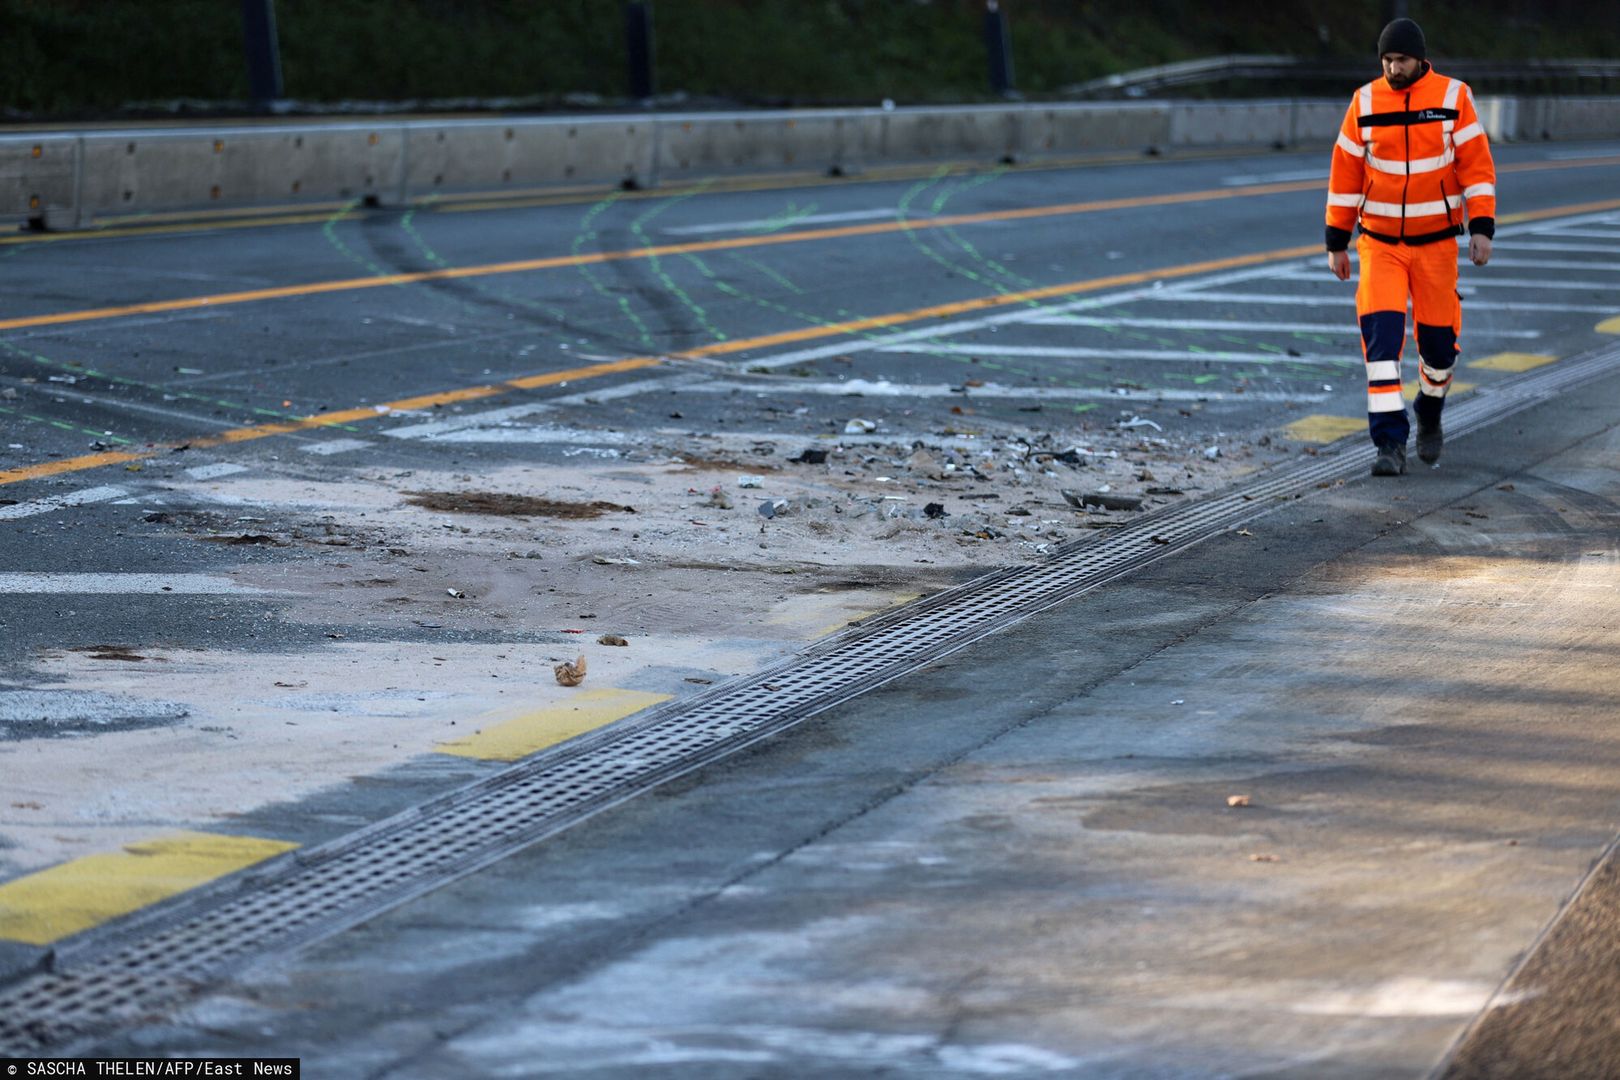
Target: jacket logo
<point>1431,114</point>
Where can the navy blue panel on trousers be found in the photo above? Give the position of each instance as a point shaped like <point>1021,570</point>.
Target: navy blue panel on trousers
<point>1436,344</point>
<point>1383,333</point>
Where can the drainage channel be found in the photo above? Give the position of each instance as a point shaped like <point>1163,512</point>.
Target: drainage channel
<point>154,963</point>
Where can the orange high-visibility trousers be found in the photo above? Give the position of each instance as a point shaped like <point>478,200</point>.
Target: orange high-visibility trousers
<point>1390,273</point>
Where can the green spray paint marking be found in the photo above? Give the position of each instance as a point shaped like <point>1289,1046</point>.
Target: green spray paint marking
<point>156,388</point>
<point>329,231</point>
<point>587,234</point>
<point>656,264</point>
<point>408,224</point>
<point>64,426</point>
<point>784,218</point>
<point>759,267</point>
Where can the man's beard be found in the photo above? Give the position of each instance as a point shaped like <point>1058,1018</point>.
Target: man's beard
<point>1401,82</point>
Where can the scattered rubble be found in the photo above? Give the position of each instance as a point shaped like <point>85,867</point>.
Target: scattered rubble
<point>571,673</point>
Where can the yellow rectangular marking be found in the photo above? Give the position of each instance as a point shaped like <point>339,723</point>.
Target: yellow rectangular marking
<point>1609,326</point>
<point>51,904</point>
<point>1410,390</point>
<point>1320,428</point>
<point>523,735</point>
<point>1512,361</point>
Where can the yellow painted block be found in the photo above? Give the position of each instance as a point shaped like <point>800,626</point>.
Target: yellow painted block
<point>50,905</point>
<point>860,616</point>
<point>1514,361</point>
<point>1319,428</point>
<point>581,712</point>
<point>1609,326</point>
<point>1410,390</point>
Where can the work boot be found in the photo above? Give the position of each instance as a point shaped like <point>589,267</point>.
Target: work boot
<point>1391,460</point>
<point>1429,440</point>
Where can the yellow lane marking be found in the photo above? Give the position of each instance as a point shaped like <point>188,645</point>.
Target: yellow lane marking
<point>1410,390</point>
<point>1512,361</point>
<point>1609,326</point>
<point>861,616</point>
<point>327,419</point>
<point>1321,428</point>
<point>523,735</point>
<point>878,228</point>
<point>51,904</point>
<point>551,378</point>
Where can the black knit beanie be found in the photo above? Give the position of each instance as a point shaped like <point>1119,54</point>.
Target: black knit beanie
<point>1403,36</point>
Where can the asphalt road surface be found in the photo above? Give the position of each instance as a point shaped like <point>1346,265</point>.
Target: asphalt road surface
<point>1326,790</point>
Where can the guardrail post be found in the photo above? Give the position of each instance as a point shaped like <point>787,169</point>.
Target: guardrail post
<point>638,37</point>
<point>263,53</point>
<point>998,47</point>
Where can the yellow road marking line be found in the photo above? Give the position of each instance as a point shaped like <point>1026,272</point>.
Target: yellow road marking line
<point>523,735</point>
<point>550,378</point>
<point>878,228</point>
<point>1512,361</point>
<point>1321,428</point>
<point>860,616</point>
<point>327,419</point>
<point>49,905</point>
<point>1609,326</point>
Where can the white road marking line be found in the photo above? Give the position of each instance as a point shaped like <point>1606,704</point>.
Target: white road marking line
<point>514,433</point>
<point>179,584</point>
<point>334,446</point>
<point>56,502</point>
<point>1590,234</point>
<point>490,418</point>
<point>884,388</point>
<point>1472,283</point>
<point>215,470</point>
<point>1219,324</point>
<point>1349,302</point>
<point>1274,178</point>
<point>785,221</point>
<point>1601,249</point>
<point>962,326</point>
<point>1555,264</point>
<point>1057,352</point>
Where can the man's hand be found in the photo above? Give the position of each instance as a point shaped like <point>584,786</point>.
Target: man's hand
<point>1479,249</point>
<point>1339,261</point>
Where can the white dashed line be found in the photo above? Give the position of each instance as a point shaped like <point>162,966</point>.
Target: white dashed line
<point>179,584</point>
<point>334,446</point>
<point>215,471</point>
<point>884,388</point>
<point>56,502</point>
<point>1059,352</point>
<point>1346,327</point>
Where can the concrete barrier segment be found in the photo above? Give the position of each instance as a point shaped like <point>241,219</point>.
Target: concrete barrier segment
<point>65,181</point>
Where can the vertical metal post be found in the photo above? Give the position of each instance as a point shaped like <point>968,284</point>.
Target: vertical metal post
<point>998,47</point>
<point>263,52</point>
<point>638,39</point>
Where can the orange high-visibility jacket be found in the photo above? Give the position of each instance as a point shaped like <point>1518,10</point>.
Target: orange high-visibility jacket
<point>1408,162</point>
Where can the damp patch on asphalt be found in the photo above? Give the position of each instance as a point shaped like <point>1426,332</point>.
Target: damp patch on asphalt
<point>499,505</point>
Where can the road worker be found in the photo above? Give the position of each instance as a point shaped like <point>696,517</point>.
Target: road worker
<point>1411,166</point>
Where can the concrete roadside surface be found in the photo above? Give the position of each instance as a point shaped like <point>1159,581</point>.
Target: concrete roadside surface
<point>1308,802</point>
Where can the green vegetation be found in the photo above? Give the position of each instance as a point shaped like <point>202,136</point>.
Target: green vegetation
<point>65,58</point>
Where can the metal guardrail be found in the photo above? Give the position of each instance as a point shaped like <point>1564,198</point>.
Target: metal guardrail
<point>1587,74</point>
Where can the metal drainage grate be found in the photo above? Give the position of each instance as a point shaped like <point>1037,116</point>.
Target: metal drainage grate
<point>122,977</point>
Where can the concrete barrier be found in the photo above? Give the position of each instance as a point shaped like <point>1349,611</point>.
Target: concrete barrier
<point>65,181</point>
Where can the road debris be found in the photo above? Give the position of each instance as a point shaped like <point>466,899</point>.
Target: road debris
<point>858,426</point>
<point>612,639</point>
<point>750,481</point>
<point>570,673</point>
<point>1237,800</point>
